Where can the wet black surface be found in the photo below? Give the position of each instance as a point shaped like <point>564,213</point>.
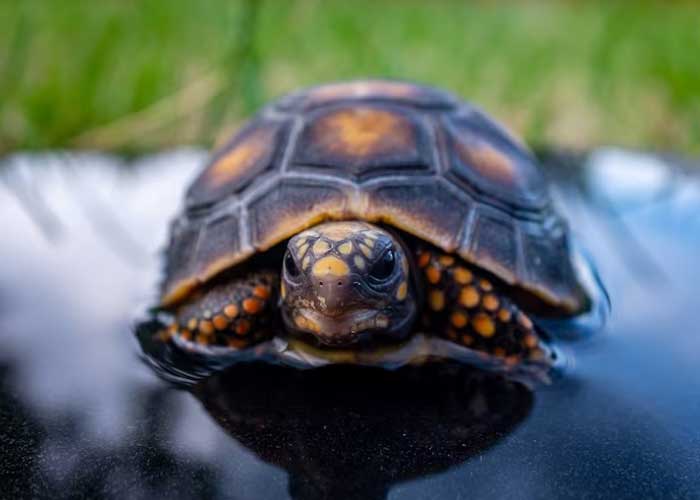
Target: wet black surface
<point>82,416</point>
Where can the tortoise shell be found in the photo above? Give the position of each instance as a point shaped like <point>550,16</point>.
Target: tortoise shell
<point>409,156</point>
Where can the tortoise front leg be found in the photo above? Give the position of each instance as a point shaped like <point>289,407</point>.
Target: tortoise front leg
<point>238,313</point>
<point>464,305</point>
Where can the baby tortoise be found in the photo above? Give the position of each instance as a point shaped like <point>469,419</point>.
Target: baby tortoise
<point>351,215</point>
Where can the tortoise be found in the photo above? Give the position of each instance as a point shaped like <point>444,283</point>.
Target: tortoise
<point>349,216</point>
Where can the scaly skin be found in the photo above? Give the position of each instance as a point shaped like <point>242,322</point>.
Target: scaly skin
<point>467,307</point>
<point>237,314</point>
<point>334,268</point>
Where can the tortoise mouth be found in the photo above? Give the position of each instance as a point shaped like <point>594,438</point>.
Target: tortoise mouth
<point>338,330</point>
<point>315,354</point>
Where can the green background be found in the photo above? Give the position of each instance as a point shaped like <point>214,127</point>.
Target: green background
<point>128,75</point>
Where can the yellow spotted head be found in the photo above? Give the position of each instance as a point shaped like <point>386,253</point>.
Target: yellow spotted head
<point>345,281</point>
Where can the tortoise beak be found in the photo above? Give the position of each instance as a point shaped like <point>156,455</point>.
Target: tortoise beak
<point>340,330</point>
<point>334,295</point>
<point>338,316</point>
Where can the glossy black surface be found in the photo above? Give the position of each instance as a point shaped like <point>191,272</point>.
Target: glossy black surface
<point>82,416</point>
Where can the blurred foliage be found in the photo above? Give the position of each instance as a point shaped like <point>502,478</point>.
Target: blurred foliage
<point>134,75</point>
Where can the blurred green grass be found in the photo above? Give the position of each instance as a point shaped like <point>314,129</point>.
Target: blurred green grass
<point>128,75</point>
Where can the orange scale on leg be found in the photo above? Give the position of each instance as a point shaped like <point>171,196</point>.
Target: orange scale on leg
<point>252,306</point>
<point>220,322</point>
<point>490,302</point>
<point>485,285</point>
<point>242,327</point>
<point>483,325</point>
<point>423,259</point>
<point>459,319</point>
<point>504,315</point>
<point>462,276</point>
<point>433,274</point>
<point>206,327</point>
<point>231,310</point>
<point>262,292</point>
<point>469,296</point>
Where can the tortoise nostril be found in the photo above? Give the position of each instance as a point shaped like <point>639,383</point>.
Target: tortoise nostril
<point>338,283</point>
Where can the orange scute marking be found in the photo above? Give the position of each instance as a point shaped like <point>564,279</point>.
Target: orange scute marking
<point>363,131</point>
<point>244,155</point>
<point>489,162</point>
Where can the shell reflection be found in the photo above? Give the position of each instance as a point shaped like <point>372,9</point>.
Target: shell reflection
<point>351,432</point>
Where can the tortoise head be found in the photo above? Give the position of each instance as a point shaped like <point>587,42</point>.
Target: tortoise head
<point>346,281</point>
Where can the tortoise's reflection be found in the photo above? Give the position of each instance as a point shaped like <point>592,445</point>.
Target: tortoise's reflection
<point>352,432</point>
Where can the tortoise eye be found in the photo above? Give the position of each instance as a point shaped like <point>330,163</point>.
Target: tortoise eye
<point>384,266</point>
<point>291,266</point>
